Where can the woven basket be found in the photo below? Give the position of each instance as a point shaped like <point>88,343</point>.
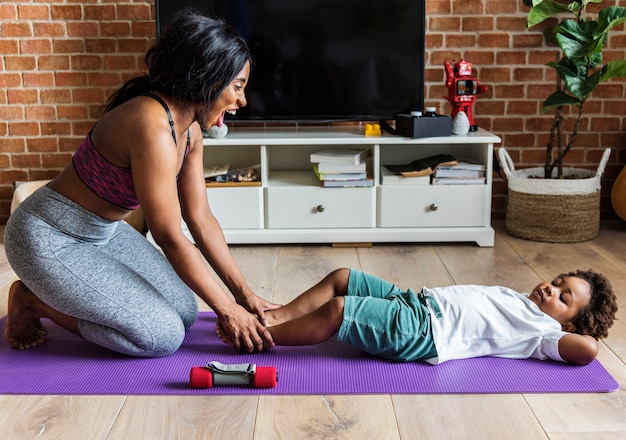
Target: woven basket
<point>553,210</point>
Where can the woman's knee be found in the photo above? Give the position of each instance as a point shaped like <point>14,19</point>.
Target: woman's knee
<point>189,318</point>
<point>157,339</point>
<point>165,343</point>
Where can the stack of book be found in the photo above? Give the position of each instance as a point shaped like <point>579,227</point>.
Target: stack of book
<point>463,173</point>
<point>388,177</point>
<point>340,167</point>
<point>418,172</point>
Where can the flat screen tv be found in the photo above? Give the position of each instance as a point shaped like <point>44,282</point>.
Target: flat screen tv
<point>325,60</point>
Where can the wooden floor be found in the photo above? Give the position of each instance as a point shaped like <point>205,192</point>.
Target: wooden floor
<point>279,273</point>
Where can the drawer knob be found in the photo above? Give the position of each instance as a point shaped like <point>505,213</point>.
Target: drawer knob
<point>433,207</point>
<point>320,208</point>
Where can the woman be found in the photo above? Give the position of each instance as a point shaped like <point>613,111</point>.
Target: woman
<point>83,267</point>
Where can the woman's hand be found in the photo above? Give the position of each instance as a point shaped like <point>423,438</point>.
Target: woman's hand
<point>256,305</point>
<point>243,331</point>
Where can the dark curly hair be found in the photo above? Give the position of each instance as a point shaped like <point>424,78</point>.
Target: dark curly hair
<point>193,61</point>
<point>595,319</point>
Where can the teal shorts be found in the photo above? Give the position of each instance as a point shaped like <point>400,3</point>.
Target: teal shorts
<point>383,320</point>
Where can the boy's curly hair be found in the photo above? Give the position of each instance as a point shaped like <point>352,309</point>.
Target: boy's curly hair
<point>595,319</point>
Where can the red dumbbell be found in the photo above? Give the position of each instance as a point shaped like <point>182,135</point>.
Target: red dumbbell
<point>218,374</point>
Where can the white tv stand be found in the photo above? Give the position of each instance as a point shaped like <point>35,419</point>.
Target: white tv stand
<point>290,206</point>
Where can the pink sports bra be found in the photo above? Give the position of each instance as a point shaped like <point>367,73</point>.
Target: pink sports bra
<point>108,181</point>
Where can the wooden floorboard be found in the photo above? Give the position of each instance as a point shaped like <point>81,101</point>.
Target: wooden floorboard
<point>186,417</point>
<point>352,417</point>
<point>281,272</point>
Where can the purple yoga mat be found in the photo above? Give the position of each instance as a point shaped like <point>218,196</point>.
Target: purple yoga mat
<point>66,364</point>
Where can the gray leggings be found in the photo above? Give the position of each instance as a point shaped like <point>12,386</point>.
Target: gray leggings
<point>124,293</point>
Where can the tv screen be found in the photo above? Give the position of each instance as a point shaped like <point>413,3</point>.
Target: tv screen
<point>325,60</point>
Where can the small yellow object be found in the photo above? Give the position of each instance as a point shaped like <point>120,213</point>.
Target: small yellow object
<point>372,130</point>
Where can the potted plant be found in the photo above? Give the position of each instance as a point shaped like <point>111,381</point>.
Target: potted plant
<point>572,197</point>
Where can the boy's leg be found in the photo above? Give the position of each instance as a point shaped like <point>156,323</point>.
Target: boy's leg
<point>312,317</point>
<point>333,285</point>
<point>312,328</point>
<point>319,312</point>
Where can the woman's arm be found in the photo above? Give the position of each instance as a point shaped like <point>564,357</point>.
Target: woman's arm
<point>208,234</point>
<point>578,349</point>
<point>155,166</point>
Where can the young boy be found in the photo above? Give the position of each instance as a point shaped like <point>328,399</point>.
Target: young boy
<point>559,320</point>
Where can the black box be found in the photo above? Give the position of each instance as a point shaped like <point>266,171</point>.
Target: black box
<point>423,126</point>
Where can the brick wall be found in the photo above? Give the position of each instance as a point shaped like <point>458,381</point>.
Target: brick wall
<point>60,60</point>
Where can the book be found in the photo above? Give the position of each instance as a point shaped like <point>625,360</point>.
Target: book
<point>338,176</point>
<point>459,173</point>
<point>465,165</point>
<point>348,183</point>
<point>458,181</point>
<point>326,167</point>
<point>216,170</point>
<point>462,169</point>
<point>389,178</point>
<point>340,155</point>
<point>423,167</point>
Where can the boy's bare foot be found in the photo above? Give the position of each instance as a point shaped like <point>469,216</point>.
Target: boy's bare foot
<point>222,334</point>
<point>277,316</point>
<point>271,317</point>
<point>23,328</point>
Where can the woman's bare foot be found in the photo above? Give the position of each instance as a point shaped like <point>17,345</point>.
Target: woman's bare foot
<point>23,328</point>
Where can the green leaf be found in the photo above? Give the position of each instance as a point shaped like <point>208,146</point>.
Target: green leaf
<point>568,67</point>
<point>579,40</point>
<point>611,17</point>
<point>595,60</point>
<point>614,69</point>
<point>543,10</point>
<point>582,87</point>
<point>558,99</point>
<point>576,82</point>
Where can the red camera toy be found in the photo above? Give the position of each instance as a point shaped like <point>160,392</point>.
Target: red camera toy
<point>462,89</point>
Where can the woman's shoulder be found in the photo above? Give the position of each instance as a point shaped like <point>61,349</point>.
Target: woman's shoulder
<point>137,120</point>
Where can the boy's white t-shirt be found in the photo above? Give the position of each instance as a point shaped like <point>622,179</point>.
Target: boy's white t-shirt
<point>491,321</point>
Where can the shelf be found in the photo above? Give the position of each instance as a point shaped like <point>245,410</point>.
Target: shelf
<point>292,206</point>
<point>336,136</point>
<point>231,184</point>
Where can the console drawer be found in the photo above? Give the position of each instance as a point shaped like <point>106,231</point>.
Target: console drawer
<point>316,207</point>
<point>237,208</point>
<point>431,205</point>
